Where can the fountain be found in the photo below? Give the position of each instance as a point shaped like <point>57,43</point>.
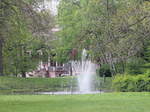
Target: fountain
<point>85,71</point>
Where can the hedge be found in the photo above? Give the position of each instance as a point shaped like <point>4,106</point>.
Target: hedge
<point>30,85</point>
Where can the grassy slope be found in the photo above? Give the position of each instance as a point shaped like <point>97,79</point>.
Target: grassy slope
<point>107,102</point>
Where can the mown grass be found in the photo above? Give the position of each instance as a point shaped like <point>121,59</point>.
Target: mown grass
<point>106,102</point>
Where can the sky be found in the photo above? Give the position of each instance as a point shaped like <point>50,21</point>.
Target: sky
<point>52,5</point>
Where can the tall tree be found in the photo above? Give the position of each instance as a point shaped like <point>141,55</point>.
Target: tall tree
<point>112,30</point>
<point>25,29</point>
<point>6,10</point>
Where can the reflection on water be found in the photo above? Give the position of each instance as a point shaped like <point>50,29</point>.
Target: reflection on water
<point>67,93</point>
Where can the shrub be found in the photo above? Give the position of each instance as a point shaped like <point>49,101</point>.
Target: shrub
<point>105,71</point>
<point>134,66</point>
<point>128,83</point>
<point>147,73</point>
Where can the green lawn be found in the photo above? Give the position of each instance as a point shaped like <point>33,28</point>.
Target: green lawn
<point>107,102</point>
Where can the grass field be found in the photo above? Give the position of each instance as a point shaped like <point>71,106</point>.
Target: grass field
<point>107,102</point>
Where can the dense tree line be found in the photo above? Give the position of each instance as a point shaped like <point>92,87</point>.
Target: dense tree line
<point>115,32</point>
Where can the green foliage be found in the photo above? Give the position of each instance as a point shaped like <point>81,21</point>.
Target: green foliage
<point>63,54</point>
<point>147,52</point>
<point>22,32</point>
<point>16,48</point>
<point>105,71</point>
<point>134,66</point>
<point>146,56</point>
<point>128,83</point>
<point>113,31</point>
<point>13,85</point>
<point>147,73</point>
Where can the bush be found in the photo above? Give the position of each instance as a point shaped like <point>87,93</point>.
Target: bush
<point>105,71</point>
<point>134,66</point>
<point>128,83</point>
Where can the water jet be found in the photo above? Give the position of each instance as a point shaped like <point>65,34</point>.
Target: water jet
<point>85,70</point>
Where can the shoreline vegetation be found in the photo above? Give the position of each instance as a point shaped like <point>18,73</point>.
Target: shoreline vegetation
<point>119,83</point>
<point>13,85</point>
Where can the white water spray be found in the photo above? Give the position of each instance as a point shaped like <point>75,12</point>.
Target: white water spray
<point>85,70</point>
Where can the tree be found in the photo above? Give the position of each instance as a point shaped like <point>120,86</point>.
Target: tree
<point>6,10</point>
<point>113,31</point>
<point>26,30</point>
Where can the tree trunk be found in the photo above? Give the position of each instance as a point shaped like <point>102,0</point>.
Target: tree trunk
<point>71,70</point>
<point>1,58</point>
<point>23,74</point>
